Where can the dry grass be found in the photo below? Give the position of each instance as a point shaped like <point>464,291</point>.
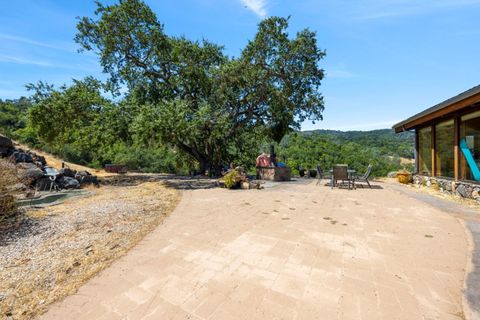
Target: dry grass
<point>77,240</point>
<point>55,162</point>
<point>8,177</point>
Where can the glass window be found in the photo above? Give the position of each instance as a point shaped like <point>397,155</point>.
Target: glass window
<point>470,147</point>
<point>444,146</point>
<point>425,151</point>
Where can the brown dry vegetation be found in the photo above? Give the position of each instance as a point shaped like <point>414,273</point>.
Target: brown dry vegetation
<point>8,178</point>
<point>59,248</point>
<point>55,162</point>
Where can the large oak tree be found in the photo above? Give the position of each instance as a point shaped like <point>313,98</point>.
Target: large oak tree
<point>192,95</point>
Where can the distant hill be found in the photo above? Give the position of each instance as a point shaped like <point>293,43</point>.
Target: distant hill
<point>384,149</point>
<point>392,144</point>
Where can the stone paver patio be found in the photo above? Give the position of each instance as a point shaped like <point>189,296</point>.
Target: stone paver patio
<point>294,251</point>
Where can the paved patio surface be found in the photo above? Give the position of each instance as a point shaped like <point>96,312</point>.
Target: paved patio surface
<point>294,251</point>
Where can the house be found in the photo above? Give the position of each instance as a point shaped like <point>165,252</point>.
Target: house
<point>447,140</point>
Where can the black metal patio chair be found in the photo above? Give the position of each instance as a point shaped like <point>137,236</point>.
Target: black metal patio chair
<point>322,175</point>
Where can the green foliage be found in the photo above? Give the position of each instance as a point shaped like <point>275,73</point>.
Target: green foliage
<point>231,179</point>
<point>187,103</point>
<point>13,116</point>
<point>355,148</point>
<point>78,124</point>
<point>386,141</point>
<point>191,96</point>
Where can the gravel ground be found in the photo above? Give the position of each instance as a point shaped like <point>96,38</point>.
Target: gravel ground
<point>56,249</point>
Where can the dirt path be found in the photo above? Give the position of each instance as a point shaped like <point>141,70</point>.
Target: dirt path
<point>294,251</point>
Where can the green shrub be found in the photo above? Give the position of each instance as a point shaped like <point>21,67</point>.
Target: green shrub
<point>231,179</point>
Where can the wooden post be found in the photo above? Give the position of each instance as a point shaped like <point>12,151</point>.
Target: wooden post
<point>456,125</point>
<point>433,151</point>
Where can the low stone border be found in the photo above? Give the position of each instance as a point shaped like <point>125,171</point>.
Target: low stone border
<point>462,189</point>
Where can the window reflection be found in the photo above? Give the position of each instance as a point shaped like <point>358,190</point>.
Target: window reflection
<point>425,150</point>
<point>470,147</point>
<point>444,145</point>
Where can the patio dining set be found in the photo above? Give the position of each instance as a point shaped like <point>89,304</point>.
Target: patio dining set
<point>341,175</point>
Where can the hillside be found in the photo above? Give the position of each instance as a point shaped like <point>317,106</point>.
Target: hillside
<point>391,143</point>
<point>384,149</point>
<point>56,162</point>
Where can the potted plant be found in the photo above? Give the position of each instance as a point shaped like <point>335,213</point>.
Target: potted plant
<point>301,171</point>
<point>403,176</point>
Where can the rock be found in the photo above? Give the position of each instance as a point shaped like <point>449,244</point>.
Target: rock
<point>461,191</point>
<point>392,174</point>
<point>67,172</point>
<point>30,175</point>
<point>17,187</point>
<point>39,159</point>
<point>5,142</point>
<point>476,193</point>
<point>6,152</point>
<point>19,156</point>
<point>87,180</point>
<point>468,191</point>
<point>43,184</point>
<point>25,166</point>
<point>245,185</point>
<point>68,183</point>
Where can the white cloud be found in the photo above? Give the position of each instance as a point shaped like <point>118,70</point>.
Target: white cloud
<point>19,60</point>
<point>15,38</point>
<point>257,6</point>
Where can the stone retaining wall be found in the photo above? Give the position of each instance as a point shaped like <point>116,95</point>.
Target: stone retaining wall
<point>462,189</point>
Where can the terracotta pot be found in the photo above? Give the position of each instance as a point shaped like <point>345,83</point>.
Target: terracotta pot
<point>403,177</point>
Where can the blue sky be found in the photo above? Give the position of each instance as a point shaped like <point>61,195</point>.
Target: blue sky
<point>386,59</point>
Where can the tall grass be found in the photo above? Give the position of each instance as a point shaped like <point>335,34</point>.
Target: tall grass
<point>8,178</point>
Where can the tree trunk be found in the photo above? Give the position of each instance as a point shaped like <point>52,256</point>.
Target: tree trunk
<point>205,166</point>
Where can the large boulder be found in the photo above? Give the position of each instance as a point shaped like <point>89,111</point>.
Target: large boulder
<point>6,152</point>
<point>5,142</point>
<point>67,172</point>
<point>20,156</point>
<point>28,173</point>
<point>44,184</point>
<point>25,165</point>
<point>68,183</point>
<point>85,177</point>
